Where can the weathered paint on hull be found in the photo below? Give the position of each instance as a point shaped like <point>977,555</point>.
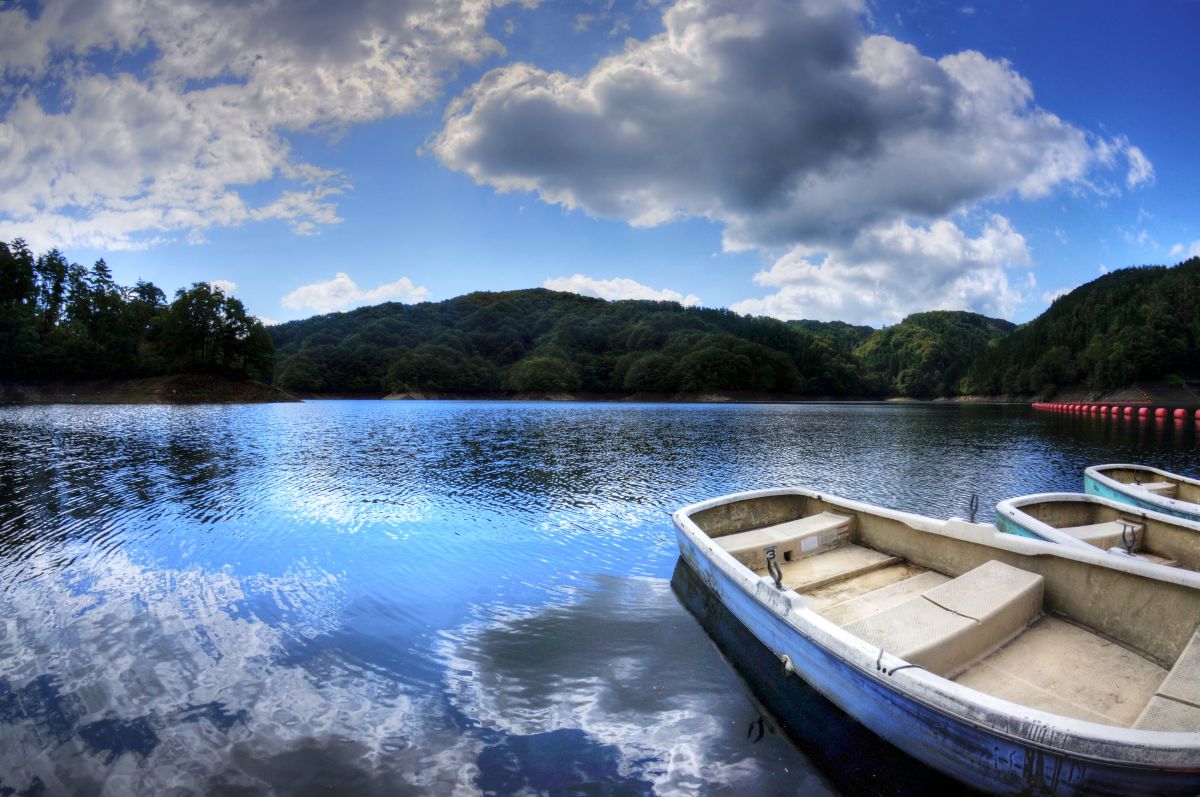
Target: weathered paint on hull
<point>978,756</point>
<point>849,755</point>
<point>1010,526</point>
<point>1093,487</point>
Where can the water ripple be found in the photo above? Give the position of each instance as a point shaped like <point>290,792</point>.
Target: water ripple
<point>428,597</point>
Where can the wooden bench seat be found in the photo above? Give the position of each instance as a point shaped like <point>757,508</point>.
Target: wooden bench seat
<point>1106,535</point>
<point>881,599</point>
<point>1176,704</point>
<point>947,628</point>
<point>791,540</point>
<point>845,561</point>
<point>1166,489</point>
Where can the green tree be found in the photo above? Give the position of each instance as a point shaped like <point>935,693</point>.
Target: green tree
<point>650,372</point>
<point>205,330</point>
<point>542,374</point>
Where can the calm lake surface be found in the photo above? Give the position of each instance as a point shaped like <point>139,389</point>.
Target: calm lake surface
<point>435,597</point>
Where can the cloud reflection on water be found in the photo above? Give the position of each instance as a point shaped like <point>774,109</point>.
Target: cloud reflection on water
<point>151,679</point>
<point>614,680</point>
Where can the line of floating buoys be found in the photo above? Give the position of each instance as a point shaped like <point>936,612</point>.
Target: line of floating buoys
<point>1130,410</point>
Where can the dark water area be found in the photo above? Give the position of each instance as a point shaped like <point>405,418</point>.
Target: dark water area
<point>442,597</point>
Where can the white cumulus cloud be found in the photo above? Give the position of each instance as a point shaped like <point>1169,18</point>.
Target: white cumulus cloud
<point>125,157</point>
<point>786,124</point>
<point>889,272</point>
<point>342,293</point>
<point>225,286</point>
<point>617,288</point>
<point>781,120</point>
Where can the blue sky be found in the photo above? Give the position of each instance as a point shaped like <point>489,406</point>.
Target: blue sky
<point>825,159</point>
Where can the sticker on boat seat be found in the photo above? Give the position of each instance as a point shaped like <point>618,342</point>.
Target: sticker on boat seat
<point>809,543</point>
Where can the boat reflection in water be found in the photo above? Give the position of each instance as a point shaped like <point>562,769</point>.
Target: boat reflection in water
<point>854,759</point>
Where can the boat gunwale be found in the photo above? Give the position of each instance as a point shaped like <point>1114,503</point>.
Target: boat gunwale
<point>1111,745</point>
<point>1011,507</point>
<point>1170,505</point>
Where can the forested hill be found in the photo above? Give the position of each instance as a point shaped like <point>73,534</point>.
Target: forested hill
<point>1136,324</point>
<point>543,341</point>
<point>848,336</point>
<point>61,322</point>
<point>928,354</point>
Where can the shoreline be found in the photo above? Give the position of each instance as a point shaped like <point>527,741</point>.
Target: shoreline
<point>176,389</point>
<point>731,397</point>
<point>184,389</point>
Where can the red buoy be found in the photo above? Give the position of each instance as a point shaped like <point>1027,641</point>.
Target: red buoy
<point>1180,415</point>
<point>1129,410</point>
<point>1161,412</point>
<point>1143,412</point>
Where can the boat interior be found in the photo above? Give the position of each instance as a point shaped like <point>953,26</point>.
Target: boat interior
<point>1156,483</point>
<point>1106,527</point>
<point>1052,633</point>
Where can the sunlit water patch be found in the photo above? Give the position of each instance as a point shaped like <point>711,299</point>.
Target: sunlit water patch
<point>432,598</point>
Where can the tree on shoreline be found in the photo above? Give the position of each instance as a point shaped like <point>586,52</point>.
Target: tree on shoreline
<point>59,320</point>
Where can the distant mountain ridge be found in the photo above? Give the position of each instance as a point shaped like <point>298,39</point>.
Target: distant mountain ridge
<point>1133,324</point>
<point>62,324</point>
<point>542,341</point>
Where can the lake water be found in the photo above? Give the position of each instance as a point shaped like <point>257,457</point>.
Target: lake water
<point>438,597</point>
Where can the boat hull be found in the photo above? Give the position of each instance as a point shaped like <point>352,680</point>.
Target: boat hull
<point>1013,526</point>
<point>850,756</point>
<point>1113,492</point>
<point>988,757</point>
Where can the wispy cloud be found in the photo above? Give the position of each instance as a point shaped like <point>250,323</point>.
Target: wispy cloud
<point>1185,251</point>
<point>1048,297</point>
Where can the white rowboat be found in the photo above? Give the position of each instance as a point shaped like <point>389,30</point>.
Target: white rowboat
<point>1075,519</point>
<point>1145,487</point>
<point>1013,665</point>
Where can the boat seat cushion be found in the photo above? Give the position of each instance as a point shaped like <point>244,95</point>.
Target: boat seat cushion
<point>1106,535</point>
<point>952,625</point>
<point>791,540</point>
<point>1174,705</point>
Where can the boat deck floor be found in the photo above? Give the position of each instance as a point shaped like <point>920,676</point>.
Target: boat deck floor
<point>1063,668</point>
<point>1053,665</point>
